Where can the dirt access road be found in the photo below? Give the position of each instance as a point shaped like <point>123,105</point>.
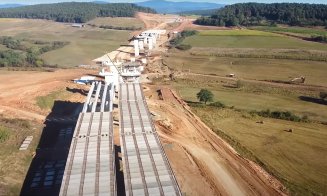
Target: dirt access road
<point>19,90</point>
<point>161,21</point>
<point>203,163</point>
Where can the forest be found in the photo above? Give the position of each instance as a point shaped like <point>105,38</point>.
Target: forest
<point>73,11</point>
<point>249,14</point>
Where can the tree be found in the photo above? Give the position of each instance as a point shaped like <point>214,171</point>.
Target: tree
<point>204,96</point>
<point>323,95</point>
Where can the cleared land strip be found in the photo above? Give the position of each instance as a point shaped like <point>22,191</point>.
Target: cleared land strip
<point>146,167</point>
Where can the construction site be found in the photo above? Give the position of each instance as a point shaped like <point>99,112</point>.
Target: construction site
<point>129,136</point>
<point>91,165</point>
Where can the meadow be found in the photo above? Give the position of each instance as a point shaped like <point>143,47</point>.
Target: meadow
<point>252,96</point>
<point>249,68</point>
<point>85,44</point>
<point>300,31</point>
<point>296,158</point>
<point>249,39</point>
<point>283,154</point>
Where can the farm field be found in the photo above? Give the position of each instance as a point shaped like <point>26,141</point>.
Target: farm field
<point>117,22</point>
<point>85,44</point>
<point>249,39</point>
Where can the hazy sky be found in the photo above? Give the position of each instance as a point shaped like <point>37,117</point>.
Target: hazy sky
<point>213,1</point>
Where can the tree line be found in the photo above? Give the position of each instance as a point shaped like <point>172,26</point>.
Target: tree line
<point>248,14</point>
<point>179,38</point>
<point>20,55</point>
<point>133,28</point>
<point>73,11</point>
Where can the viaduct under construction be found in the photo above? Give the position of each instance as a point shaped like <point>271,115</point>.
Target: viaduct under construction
<point>90,167</point>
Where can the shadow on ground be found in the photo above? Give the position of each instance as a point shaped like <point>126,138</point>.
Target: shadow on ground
<point>313,100</point>
<point>77,90</point>
<point>46,170</point>
<point>119,172</point>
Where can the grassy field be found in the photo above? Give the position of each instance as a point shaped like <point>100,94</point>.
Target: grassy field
<point>300,31</point>
<point>46,102</point>
<point>285,155</point>
<point>243,32</point>
<point>85,45</point>
<point>250,68</point>
<point>297,158</point>
<point>2,47</point>
<point>14,163</point>
<point>254,96</point>
<point>249,39</point>
<point>118,22</point>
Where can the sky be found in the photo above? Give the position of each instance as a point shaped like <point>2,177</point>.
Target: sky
<point>131,1</point>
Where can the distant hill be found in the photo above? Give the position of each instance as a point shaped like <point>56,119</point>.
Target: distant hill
<point>199,12</point>
<point>248,14</point>
<point>99,2</point>
<point>162,6</point>
<point>73,11</point>
<point>10,5</point>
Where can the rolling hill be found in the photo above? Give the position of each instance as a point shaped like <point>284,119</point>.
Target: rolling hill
<point>73,11</point>
<point>208,12</point>
<point>10,5</point>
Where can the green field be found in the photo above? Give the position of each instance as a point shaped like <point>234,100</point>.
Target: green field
<point>253,96</point>
<point>85,45</point>
<point>249,39</point>
<point>46,102</point>
<point>117,22</point>
<point>297,158</point>
<point>300,31</point>
<point>243,32</point>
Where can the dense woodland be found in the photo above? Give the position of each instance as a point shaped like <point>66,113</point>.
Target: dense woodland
<point>73,11</point>
<point>248,14</point>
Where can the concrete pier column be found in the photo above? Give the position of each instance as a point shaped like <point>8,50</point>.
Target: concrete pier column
<point>141,45</point>
<point>150,43</point>
<point>136,47</point>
